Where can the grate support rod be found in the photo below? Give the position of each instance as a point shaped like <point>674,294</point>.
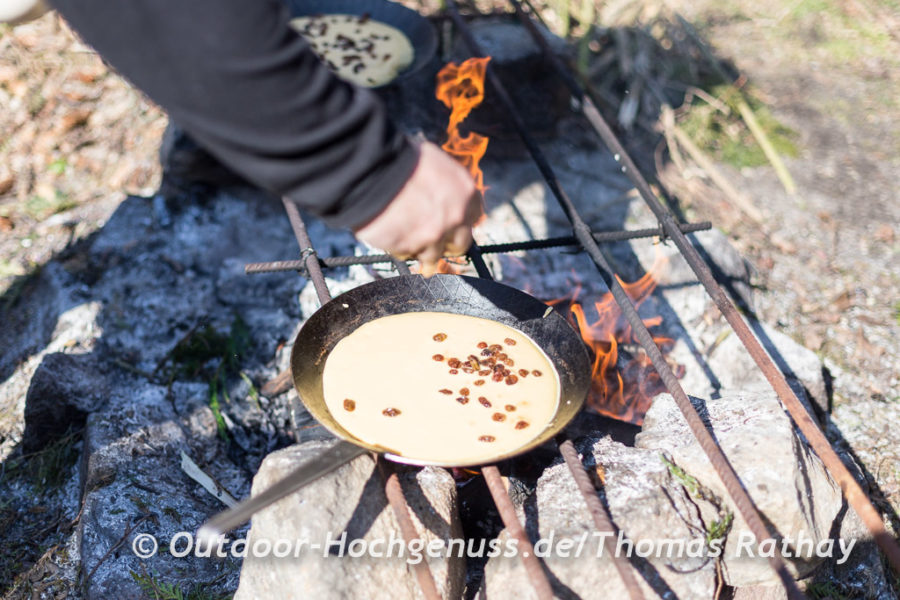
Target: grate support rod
<point>856,496</point>
<point>532,563</point>
<point>371,259</point>
<point>723,468</point>
<point>397,500</point>
<point>392,488</point>
<point>600,517</point>
<point>533,566</point>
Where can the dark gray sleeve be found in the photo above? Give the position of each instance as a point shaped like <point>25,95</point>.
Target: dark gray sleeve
<point>242,83</point>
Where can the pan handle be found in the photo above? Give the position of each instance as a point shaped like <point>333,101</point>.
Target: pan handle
<point>336,456</point>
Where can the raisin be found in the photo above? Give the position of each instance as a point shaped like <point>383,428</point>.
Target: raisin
<point>523,372</point>
<point>391,412</point>
<point>510,342</point>
<point>454,363</point>
<point>486,438</point>
<point>462,400</point>
<point>510,408</point>
<point>438,357</point>
<point>502,357</point>
<point>349,405</point>
<point>484,372</point>
<point>499,417</point>
<point>509,362</point>
<point>473,361</point>
<point>484,401</point>
<point>482,345</point>
<point>478,382</point>
<point>497,377</point>
<point>486,352</point>
<point>536,373</point>
<point>498,368</point>
<point>521,424</point>
<point>446,391</point>
<point>468,370</point>
<point>439,337</point>
<point>464,392</point>
<point>453,371</point>
<point>511,379</point>
<point>495,347</point>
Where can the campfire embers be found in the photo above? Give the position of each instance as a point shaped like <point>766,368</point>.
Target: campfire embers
<point>461,88</point>
<point>621,389</point>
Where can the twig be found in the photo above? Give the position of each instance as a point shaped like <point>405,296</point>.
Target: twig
<point>786,180</point>
<point>116,545</point>
<point>132,369</point>
<point>746,112</point>
<point>741,201</point>
<point>209,484</point>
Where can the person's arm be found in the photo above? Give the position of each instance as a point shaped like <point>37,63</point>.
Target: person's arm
<point>242,83</point>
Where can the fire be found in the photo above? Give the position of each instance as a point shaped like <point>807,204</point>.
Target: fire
<point>453,265</point>
<point>619,391</point>
<point>461,88</point>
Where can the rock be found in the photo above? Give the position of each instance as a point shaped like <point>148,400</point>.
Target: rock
<point>714,358</point>
<point>760,592</point>
<point>132,479</point>
<point>786,481</point>
<point>648,506</point>
<point>63,390</point>
<point>804,371</point>
<point>347,501</point>
<point>184,162</point>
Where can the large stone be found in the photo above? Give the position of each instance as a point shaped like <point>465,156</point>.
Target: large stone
<point>786,481</point>
<point>63,390</point>
<point>133,485</point>
<point>661,530</point>
<point>348,502</point>
<point>714,358</point>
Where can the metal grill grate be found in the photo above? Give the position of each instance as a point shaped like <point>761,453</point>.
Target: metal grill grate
<point>311,265</point>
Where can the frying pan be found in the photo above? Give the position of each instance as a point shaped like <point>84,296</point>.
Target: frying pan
<point>413,25</point>
<point>413,293</point>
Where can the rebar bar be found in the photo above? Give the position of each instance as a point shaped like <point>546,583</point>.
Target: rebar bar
<point>533,567</point>
<point>722,466</point>
<point>554,242</point>
<point>397,500</point>
<point>392,488</point>
<point>600,517</point>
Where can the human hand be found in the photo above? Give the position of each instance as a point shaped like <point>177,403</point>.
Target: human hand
<point>431,216</point>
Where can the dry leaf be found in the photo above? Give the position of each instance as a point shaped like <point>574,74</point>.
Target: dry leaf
<point>73,119</point>
<point>6,183</point>
<point>884,233</point>
<point>813,340</point>
<point>90,74</point>
<point>843,301</point>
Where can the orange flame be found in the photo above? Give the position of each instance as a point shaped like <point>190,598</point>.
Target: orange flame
<point>461,88</point>
<point>620,391</point>
<point>454,265</point>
